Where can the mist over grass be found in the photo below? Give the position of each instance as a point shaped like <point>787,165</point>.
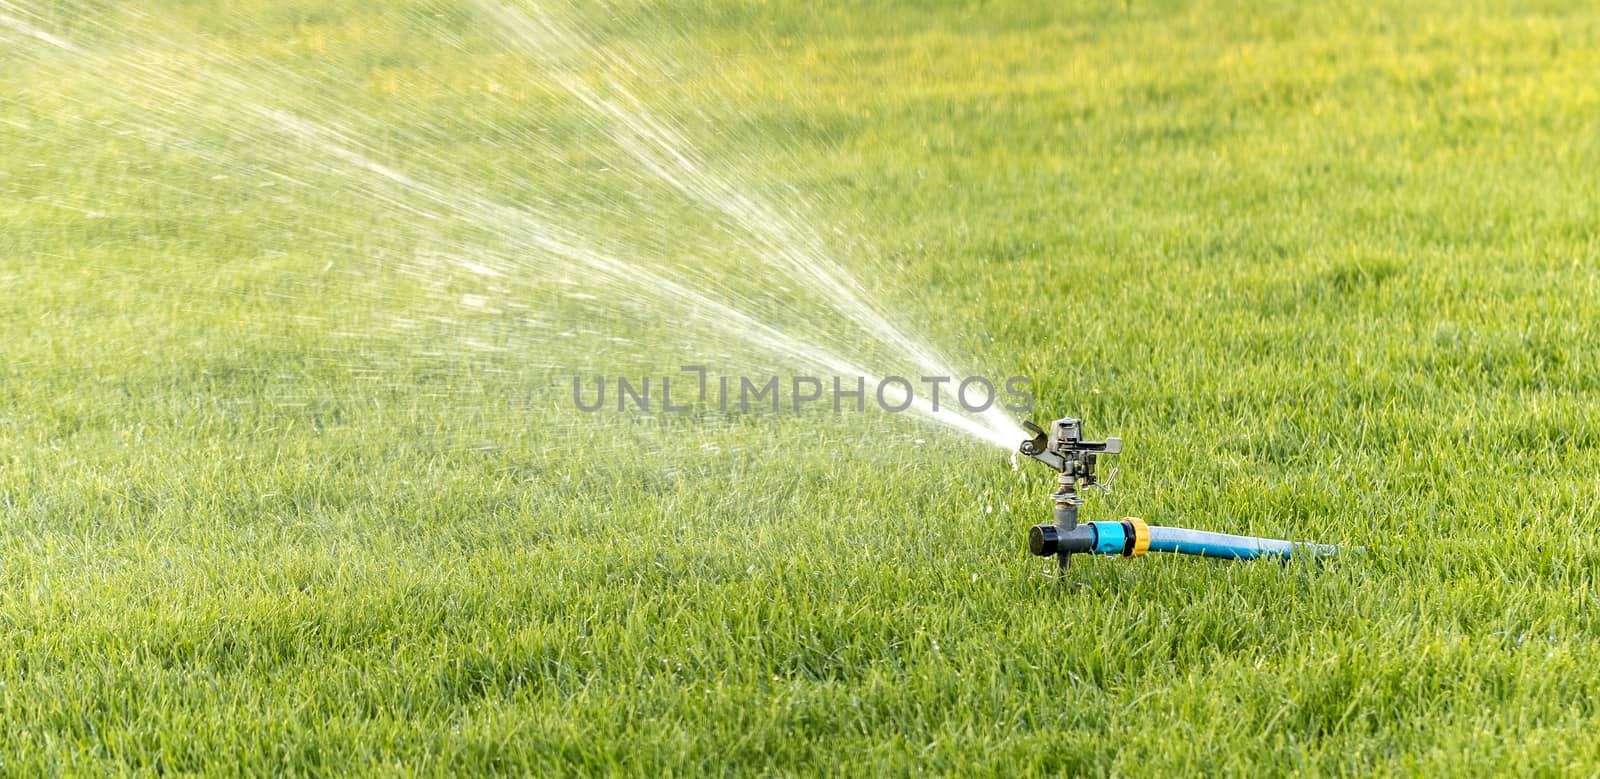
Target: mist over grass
<point>291,479</point>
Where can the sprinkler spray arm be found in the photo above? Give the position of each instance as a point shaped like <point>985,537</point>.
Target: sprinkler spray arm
<point>1064,450</point>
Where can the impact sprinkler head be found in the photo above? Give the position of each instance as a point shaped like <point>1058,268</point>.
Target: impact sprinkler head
<point>1064,445</point>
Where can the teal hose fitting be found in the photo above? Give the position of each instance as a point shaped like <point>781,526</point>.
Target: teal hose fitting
<point>1129,538</point>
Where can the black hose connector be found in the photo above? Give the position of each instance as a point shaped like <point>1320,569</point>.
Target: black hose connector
<point>1043,540</point>
<point>1046,540</point>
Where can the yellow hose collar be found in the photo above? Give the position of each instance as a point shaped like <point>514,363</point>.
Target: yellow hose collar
<point>1141,536</point>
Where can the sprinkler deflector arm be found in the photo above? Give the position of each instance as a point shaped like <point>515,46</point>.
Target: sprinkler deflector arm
<point>1064,450</point>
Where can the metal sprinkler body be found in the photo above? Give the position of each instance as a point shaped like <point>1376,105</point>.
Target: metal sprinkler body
<point>1064,449</point>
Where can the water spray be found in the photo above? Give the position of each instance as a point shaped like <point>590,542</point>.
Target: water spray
<point>1064,449</point>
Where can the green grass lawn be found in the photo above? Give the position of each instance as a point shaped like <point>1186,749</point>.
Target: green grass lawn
<point>280,494</point>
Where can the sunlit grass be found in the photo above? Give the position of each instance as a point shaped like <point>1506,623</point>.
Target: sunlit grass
<point>1331,273</point>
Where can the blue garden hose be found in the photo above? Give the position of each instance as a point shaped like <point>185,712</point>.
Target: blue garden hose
<point>1228,546</point>
<point>1133,538</point>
